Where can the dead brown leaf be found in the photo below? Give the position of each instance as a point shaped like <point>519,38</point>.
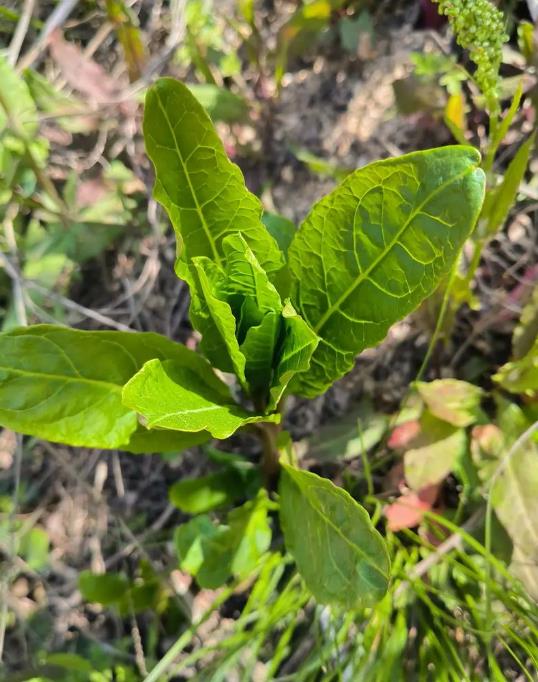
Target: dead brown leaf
<point>82,74</point>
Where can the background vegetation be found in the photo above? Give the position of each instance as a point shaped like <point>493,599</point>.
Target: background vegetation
<point>94,584</point>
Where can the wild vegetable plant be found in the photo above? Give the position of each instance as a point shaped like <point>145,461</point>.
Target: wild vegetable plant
<point>283,312</point>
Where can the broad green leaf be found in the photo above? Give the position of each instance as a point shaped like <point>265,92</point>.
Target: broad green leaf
<point>221,488</point>
<point>212,316</point>
<point>215,553</point>
<point>244,327</point>
<point>246,277</point>
<point>161,440</point>
<point>17,108</point>
<point>65,385</point>
<point>521,376</point>
<point>202,191</point>
<point>172,396</point>
<point>258,349</point>
<point>340,555</point>
<point>435,452</point>
<point>347,437</point>
<point>298,342</point>
<point>514,497</point>
<point>280,228</point>
<point>374,248</point>
<point>201,548</point>
<point>527,329</point>
<point>454,401</point>
<point>500,200</point>
<point>103,588</point>
<point>220,103</point>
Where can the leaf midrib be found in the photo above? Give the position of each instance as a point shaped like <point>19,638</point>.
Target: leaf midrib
<point>63,377</point>
<point>356,549</point>
<point>187,176</point>
<point>364,275</point>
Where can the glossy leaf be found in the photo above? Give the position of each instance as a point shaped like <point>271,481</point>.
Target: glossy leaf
<point>454,401</point>
<point>65,384</point>
<point>171,396</point>
<point>244,326</point>
<point>215,553</point>
<point>202,191</point>
<point>213,317</point>
<point>246,277</point>
<point>435,452</point>
<point>338,552</point>
<point>373,249</point>
<point>258,349</point>
<point>297,345</point>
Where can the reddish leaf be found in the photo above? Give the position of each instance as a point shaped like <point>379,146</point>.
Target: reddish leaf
<point>91,191</point>
<point>82,73</point>
<point>409,509</point>
<point>403,434</point>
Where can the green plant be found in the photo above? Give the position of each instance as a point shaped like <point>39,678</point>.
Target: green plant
<point>281,322</point>
<point>48,232</point>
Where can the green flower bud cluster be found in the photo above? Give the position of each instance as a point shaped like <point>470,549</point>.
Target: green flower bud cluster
<point>479,28</point>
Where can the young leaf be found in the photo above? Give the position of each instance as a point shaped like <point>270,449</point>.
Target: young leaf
<point>200,495</point>
<point>246,277</point>
<point>373,249</point>
<point>454,401</point>
<point>202,191</point>
<point>258,349</point>
<point>172,396</point>
<point>65,384</point>
<point>298,342</point>
<point>213,317</point>
<point>341,556</point>
<point>215,553</point>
